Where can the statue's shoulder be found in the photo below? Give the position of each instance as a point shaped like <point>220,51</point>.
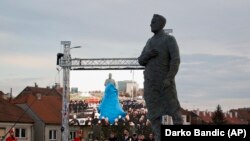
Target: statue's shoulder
<point>169,38</point>
<point>148,41</point>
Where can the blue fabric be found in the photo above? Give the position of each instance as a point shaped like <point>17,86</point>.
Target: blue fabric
<point>110,106</point>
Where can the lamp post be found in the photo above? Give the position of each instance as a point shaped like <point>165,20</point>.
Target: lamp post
<point>66,66</point>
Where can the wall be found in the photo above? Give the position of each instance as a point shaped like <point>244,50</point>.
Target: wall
<point>38,124</point>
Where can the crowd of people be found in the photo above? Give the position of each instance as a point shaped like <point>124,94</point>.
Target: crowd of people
<point>114,119</point>
<point>76,106</point>
<point>135,123</point>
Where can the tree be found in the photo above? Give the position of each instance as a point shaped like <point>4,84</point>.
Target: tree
<point>218,116</point>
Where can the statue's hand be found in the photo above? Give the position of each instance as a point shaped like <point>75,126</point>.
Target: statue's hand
<point>166,83</point>
<point>153,53</point>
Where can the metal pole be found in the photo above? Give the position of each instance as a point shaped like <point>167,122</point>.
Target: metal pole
<point>66,89</point>
<point>133,84</point>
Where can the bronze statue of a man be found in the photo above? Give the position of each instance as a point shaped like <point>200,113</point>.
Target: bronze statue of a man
<point>161,59</point>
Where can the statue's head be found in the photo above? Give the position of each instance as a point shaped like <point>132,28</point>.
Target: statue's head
<point>157,23</point>
<point>110,75</point>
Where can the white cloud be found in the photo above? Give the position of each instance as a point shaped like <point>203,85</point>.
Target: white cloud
<point>226,104</point>
<point>27,61</point>
<point>94,80</point>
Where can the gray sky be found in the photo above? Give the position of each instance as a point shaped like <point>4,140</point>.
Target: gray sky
<point>213,37</point>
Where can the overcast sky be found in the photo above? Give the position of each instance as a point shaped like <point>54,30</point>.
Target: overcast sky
<point>213,37</point>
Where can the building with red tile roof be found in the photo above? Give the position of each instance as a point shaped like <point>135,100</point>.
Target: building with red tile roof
<point>36,90</point>
<point>1,94</point>
<point>205,117</point>
<point>14,117</point>
<point>12,113</point>
<point>242,113</point>
<point>186,116</point>
<point>45,105</point>
<point>47,108</point>
<point>5,96</point>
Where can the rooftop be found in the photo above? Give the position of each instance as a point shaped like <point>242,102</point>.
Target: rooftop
<point>46,103</point>
<point>12,113</point>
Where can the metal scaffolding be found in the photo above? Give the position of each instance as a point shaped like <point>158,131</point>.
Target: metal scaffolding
<point>105,64</point>
<point>64,60</point>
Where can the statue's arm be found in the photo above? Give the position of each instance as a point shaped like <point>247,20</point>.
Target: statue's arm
<point>105,83</point>
<point>114,82</point>
<point>146,55</point>
<point>142,59</point>
<point>174,58</point>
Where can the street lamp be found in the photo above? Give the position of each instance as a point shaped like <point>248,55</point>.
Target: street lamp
<point>76,47</point>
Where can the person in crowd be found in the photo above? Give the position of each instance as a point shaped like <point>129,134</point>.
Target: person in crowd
<point>11,136</point>
<point>126,135</point>
<point>151,137</point>
<point>112,137</point>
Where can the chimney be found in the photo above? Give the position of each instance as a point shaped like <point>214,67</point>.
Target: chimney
<point>36,85</point>
<point>38,96</point>
<point>57,86</point>
<point>198,112</point>
<point>203,113</point>
<point>10,92</point>
<point>225,114</point>
<point>231,114</point>
<point>236,114</point>
<point>209,113</point>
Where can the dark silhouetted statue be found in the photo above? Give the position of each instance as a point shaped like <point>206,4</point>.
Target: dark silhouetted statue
<point>161,59</point>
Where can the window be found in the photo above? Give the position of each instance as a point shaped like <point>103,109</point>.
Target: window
<point>72,134</point>
<point>20,132</point>
<point>52,134</point>
<point>188,118</point>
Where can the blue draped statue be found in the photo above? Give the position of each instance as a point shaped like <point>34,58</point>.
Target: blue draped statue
<point>110,106</point>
